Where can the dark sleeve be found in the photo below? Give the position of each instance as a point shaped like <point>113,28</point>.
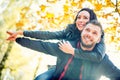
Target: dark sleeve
<point>69,33</point>
<point>88,55</point>
<point>45,35</point>
<point>96,55</point>
<point>108,69</point>
<point>45,47</point>
<point>100,48</point>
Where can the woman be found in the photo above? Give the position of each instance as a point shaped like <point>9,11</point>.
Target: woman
<point>72,32</point>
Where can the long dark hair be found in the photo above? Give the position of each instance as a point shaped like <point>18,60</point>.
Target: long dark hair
<point>90,11</point>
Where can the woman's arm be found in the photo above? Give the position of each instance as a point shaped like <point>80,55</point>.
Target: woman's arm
<point>45,35</point>
<point>96,55</point>
<point>67,33</point>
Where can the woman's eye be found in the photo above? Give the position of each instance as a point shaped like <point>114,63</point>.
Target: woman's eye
<point>85,17</point>
<point>78,17</point>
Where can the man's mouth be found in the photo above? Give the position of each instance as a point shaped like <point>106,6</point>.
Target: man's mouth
<point>87,39</point>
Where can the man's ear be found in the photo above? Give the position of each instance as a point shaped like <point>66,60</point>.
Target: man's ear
<point>99,40</point>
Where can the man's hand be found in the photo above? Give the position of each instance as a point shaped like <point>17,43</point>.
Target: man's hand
<point>13,35</point>
<point>66,47</point>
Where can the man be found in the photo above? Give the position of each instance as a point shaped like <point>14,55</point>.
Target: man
<point>71,68</point>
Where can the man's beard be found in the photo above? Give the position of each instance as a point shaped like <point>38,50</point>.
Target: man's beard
<point>87,45</point>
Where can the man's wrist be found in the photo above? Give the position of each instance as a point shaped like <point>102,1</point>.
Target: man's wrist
<point>20,32</point>
<point>73,51</point>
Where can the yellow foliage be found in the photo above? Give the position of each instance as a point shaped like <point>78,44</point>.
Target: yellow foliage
<point>32,27</point>
<point>22,15</point>
<point>42,7</point>
<point>52,1</point>
<point>40,21</point>
<point>118,31</point>
<point>48,21</point>
<point>19,24</point>
<point>49,15</point>
<point>111,39</point>
<point>66,8</point>
<point>109,3</point>
<point>68,16</point>
<point>106,15</point>
<point>24,9</point>
<point>38,12</point>
<point>98,7</point>
<point>118,48</point>
<point>74,3</point>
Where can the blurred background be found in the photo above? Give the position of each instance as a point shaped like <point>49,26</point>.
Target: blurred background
<point>19,63</point>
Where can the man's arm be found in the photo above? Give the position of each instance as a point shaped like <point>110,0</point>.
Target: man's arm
<point>108,69</point>
<point>45,47</point>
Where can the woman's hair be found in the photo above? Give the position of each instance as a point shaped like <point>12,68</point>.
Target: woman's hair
<point>90,11</point>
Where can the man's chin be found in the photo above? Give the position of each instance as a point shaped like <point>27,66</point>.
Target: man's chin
<point>87,45</point>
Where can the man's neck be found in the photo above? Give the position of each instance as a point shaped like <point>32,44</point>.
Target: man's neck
<point>86,49</point>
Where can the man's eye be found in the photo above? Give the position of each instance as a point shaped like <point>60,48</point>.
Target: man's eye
<point>95,33</point>
<point>88,30</point>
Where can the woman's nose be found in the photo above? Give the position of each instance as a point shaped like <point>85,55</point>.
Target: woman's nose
<point>80,20</point>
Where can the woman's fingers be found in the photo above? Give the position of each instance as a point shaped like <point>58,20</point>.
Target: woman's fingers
<point>10,33</point>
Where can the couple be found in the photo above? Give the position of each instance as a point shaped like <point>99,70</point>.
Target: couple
<point>76,64</point>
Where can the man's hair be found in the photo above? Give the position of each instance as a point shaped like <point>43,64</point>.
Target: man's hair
<point>95,22</point>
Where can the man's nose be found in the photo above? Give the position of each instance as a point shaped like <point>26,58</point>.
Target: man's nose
<point>89,35</point>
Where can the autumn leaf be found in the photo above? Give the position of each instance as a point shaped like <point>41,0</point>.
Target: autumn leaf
<point>43,7</point>
<point>73,3</point>
<point>49,15</point>
<point>38,12</point>
<point>32,27</point>
<point>98,7</point>
<point>40,21</point>
<point>19,24</point>
<point>22,15</point>
<point>66,8</point>
<point>52,1</point>
<point>109,3</point>
<point>24,9</point>
<point>112,38</point>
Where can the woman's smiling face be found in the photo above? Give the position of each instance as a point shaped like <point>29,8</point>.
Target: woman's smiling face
<point>82,18</point>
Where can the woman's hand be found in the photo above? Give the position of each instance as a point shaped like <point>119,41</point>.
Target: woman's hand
<point>66,47</point>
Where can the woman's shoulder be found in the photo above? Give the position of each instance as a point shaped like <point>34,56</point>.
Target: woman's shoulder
<point>71,26</point>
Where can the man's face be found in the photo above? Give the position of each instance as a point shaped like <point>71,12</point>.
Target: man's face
<point>90,35</point>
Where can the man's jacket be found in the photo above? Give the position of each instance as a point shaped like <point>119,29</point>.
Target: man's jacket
<point>91,70</point>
